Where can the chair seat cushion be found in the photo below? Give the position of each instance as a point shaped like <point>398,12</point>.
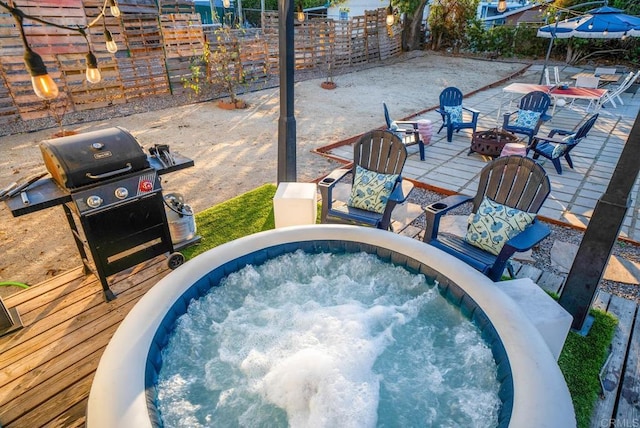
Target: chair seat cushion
<point>371,190</point>
<point>527,118</point>
<point>455,113</point>
<point>494,224</point>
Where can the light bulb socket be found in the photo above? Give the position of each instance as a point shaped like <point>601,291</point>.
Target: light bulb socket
<point>92,62</point>
<point>35,64</point>
<point>108,36</point>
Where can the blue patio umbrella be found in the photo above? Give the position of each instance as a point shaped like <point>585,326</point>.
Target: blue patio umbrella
<point>601,23</point>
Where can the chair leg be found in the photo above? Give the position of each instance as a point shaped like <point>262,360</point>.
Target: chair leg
<point>441,126</point>
<point>556,163</point>
<point>567,157</point>
<point>421,148</point>
<point>449,133</point>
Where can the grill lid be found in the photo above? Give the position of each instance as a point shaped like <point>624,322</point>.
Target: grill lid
<point>90,157</point>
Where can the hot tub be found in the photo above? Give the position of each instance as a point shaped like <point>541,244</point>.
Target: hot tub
<point>534,393</point>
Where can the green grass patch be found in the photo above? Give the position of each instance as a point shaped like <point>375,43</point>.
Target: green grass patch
<point>581,360</point>
<point>581,357</point>
<point>249,213</point>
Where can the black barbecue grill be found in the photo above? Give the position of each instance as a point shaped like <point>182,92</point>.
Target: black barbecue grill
<point>112,198</point>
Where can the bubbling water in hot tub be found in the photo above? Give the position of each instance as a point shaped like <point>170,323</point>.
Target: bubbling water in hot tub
<point>326,340</point>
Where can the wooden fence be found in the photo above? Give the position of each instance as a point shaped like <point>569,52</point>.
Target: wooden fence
<point>158,40</point>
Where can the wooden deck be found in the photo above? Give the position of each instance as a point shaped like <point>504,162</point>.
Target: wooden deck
<point>46,368</point>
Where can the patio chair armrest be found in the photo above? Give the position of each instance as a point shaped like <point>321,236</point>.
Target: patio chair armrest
<point>444,113</point>
<point>326,189</point>
<point>529,237</point>
<point>506,117</point>
<point>401,191</point>
<point>473,111</point>
<point>559,131</point>
<point>434,211</point>
<point>523,241</point>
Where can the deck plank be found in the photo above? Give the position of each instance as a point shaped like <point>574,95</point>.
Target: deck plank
<point>46,369</point>
<point>628,413</point>
<point>625,311</point>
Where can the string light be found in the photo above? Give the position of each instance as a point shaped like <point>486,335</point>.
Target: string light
<point>43,85</point>
<point>92,73</point>
<point>605,32</point>
<point>113,7</point>
<point>502,6</point>
<point>112,47</point>
<point>624,36</point>
<point>300,13</point>
<point>226,4</point>
<point>391,19</point>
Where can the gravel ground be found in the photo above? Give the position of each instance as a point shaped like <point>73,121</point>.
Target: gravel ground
<point>541,253</point>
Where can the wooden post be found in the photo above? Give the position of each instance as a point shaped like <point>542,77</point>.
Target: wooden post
<point>9,319</point>
<point>601,234</point>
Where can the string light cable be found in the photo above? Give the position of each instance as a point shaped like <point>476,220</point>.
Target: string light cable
<point>43,85</point>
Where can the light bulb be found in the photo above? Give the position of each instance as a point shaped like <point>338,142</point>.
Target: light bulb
<point>113,7</point>
<point>93,73</point>
<point>624,36</point>
<point>300,16</point>
<point>43,84</point>
<point>502,5</point>
<point>390,19</point>
<point>111,45</point>
<point>44,87</point>
<point>591,26</point>
<point>605,32</point>
<point>226,4</point>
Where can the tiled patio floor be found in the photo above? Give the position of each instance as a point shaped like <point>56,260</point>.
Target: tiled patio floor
<point>574,193</point>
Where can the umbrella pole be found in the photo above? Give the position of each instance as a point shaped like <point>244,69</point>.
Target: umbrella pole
<point>546,59</point>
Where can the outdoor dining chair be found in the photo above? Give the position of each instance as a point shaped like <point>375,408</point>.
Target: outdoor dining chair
<point>510,192</point>
<point>454,116</point>
<point>532,111</point>
<point>553,148</point>
<point>407,130</point>
<point>376,183</point>
<point>614,92</point>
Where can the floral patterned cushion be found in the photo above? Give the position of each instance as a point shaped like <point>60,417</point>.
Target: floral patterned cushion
<point>527,119</point>
<point>455,113</point>
<point>561,148</point>
<point>494,224</point>
<point>371,190</point>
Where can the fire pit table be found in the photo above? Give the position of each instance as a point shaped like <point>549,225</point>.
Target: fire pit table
<point>491,142</point>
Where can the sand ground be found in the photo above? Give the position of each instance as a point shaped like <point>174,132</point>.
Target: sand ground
<point>234,151</point>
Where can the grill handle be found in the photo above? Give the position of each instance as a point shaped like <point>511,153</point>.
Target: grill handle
<point>110,173</point>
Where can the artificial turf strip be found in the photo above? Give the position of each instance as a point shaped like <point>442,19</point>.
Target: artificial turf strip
<point>581,360</point>
<point>581,357</point>
<point>249,213</point>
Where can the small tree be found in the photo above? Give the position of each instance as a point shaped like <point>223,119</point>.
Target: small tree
<point>219,67</point>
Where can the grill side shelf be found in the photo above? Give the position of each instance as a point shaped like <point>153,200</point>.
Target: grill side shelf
<point>180,162</point>
<point>42,194</point>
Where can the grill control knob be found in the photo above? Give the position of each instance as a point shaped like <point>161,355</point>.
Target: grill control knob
<point>121,193</point>
<point>94,201</point>
<point>97,145</point>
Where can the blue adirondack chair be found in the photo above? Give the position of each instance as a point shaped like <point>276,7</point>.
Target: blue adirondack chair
<point>382,154</point>
<point>407,130</point>
<point>453,113</point>
<point>532,111</point>
<point>553,148</point>
<point>512,181</point>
